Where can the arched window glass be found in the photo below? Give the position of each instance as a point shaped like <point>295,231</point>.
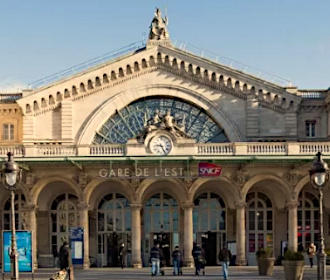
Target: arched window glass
<point>63,216</point>
<point>209,224</point>
<point>113,228</point>
<point>129,122</point>
<point>259,223</point>
<point>308,219</point>
<point>20,222</point>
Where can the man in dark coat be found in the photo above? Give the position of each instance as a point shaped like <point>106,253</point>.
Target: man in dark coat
<point>155,260</point>
<point>65,258</point>
<point>177,258</point>
<point>224,258</point>
<point>197,255</point>
<point>122,255</point>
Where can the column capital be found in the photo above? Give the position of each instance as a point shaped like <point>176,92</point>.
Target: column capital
<point>186,205</point>
<point>293,204</point>
<point>30,207</point>
<point>83,206</point>
<point>136,206</point>
<point>240,204</point>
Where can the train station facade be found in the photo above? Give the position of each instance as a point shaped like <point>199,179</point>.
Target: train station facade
<point>160,144</point>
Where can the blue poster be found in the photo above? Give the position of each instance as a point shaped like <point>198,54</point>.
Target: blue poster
<point>24,249</point>
<point>77,245</point>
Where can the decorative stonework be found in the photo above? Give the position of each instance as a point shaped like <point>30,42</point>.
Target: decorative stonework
<point>158,33</point>
<point>166,122</point>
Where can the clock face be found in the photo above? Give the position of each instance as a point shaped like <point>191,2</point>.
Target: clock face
<point>161,145</point>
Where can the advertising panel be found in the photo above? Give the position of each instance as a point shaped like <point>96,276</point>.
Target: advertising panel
<point>24,249</point>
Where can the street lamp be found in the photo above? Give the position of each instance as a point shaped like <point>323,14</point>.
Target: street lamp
<point>319,177</point>
<point>11,174</point>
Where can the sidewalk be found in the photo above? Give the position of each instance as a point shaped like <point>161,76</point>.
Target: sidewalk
<point>214,272</point>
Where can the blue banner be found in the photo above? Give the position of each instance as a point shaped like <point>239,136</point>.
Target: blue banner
<point>24,249</point>
<point>77,244</point>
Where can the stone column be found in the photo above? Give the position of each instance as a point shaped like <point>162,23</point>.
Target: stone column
<point>31,211</point>
<point>84,223</point>
<point>240,233</point>
<point>136,235</point>
<point>293,225</point>
<point>188,234</point>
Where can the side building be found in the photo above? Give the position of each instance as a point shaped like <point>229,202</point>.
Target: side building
<point>160,144</point>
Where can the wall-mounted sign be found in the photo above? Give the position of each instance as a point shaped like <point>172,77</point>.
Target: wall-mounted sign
<point>24,249</point>
<point>142,172</point>
<point>206,169</point>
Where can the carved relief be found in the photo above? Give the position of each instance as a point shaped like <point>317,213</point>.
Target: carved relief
<point>293,176</point>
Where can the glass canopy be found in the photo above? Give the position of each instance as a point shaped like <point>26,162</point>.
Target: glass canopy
<point>129,122</point>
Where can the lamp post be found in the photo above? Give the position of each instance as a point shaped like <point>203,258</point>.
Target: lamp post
<point>319,177</point>
<point>11,175</point>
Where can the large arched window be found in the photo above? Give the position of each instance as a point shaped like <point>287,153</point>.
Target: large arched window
<point>259,223</point>
<point>130,121</point>
<point>209,223</point>
<point>113,228</point>
<point>308,219</point>
<point>64,215</point>
<point>20,222</point>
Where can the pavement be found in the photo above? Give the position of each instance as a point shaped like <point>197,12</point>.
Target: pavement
<point>235,272</point>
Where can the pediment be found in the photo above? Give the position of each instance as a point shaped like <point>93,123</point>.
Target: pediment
<point>163,59</point>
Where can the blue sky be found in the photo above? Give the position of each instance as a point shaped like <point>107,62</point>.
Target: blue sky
<point>290,38</point>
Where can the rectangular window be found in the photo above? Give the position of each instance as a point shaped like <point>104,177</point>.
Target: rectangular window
<point>310,128</point>
<point>7,131</point>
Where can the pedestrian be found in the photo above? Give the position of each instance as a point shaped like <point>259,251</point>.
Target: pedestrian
<point>155,260</point>
<point>122,255</point>
<point>311,253</point>
<point>65,259</point>
<point>197,256</point>
<point>300,247</point>
<point>224,258</point>
<point>176,256</point>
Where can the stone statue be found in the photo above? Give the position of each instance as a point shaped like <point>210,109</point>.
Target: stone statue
<point>168,120</point>
<point>158,27</point>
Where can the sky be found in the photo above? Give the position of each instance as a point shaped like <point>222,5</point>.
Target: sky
<point>289,38</point>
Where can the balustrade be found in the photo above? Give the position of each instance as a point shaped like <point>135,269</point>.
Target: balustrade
<point>216,149</point>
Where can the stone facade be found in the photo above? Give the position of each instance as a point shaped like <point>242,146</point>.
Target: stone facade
<point>262,197</point>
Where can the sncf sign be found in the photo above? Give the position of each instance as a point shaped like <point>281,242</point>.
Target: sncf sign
<point>206,169</point>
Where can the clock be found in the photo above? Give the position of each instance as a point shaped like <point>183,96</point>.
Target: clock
<point>160,145</point>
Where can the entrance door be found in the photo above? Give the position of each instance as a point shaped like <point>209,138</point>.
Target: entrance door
<point>209,245</point>
<point>165,245</point>
<point>259,224</point>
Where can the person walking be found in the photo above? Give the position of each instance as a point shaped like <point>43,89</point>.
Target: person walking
<point>155,260</point>
<point>224,258</point>
<point>197,256</point>
<point>65,259</point>
<point>311,253</point>
<point>122,255</point>
<point>176,256</point>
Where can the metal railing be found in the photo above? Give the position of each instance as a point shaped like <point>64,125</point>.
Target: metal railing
<point>232,63</point>
<point>107,57</point>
